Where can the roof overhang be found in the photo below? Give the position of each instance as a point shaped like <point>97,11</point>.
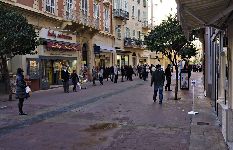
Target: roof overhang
<point>194,14</point>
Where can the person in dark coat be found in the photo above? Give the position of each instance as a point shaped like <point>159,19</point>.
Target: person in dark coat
<point>131,72</point>
<point>75,79</point>
<point>65,76</point>
<point>144,73</point>
<point>158,80</point>
<point>112,73</point>
<point>168,77</point>
<point>122,73</point>
<point>94,75</point>
<point>20,90</point>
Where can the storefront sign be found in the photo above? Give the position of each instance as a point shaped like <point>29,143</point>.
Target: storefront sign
<point>56,35</point>
<point>52,33</point>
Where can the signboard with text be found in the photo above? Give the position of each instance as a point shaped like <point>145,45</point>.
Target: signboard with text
<point>57,35</point>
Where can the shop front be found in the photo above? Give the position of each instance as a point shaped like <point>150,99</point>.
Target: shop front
<point>58,50</point>
<point>104,55</point>
<point>122,60</point>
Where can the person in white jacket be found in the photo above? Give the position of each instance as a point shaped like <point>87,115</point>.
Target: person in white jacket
<point>115,74</point>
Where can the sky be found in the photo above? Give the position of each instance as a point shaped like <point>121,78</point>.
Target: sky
<point>161,9</point>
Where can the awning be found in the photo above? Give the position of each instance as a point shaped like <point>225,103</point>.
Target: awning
<point>105,48</point>
<point>57,58</point>
<point>61,46</point>
<point>201,13</point>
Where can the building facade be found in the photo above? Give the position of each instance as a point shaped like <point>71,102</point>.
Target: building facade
<point>67,30</point>
<point>130,24</point>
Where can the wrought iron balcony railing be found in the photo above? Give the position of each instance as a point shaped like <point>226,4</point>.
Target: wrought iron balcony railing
<point>122,14</point>
<point>135,43</point>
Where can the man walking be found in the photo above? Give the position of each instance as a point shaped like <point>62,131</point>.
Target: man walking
<point>158,80</point>
<point>65,79</point>
<point>168,77</point>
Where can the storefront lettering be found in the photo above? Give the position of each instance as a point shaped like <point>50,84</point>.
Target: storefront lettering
<point>51,33</point>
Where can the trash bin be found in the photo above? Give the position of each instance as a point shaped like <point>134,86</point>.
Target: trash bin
<point>184,79</point>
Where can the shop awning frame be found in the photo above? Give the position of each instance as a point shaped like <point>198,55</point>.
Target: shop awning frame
<point>195,14</point>
<point>105,48</point>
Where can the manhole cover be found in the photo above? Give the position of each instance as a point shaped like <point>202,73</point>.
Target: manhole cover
<point>203,123</point>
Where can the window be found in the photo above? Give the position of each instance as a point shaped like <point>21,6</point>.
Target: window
<point>118,31</point>
<point>144,3</point>
<point>106,20</point>
<point>96,9</point>
<point>139,35</point>
<point>139,15</point>
<point>138,1</point>
<point>127,32</point>
<point>144,14</point>
<point>126,6</point>
<point>69,8</point>
<point>134,33</point>
<point>84,7</point>
<point>117,4</point>
<point>133,15</point>
<point>50,6</point>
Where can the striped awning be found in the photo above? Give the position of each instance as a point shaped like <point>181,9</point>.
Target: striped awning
<point>202,13</point>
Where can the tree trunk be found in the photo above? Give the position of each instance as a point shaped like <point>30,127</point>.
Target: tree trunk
<point>6,77</point>
<point>176,87</point>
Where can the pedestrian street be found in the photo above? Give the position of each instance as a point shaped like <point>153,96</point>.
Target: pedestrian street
<point>121,116</point>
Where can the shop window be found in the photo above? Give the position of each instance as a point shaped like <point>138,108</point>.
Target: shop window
<point>33,69</point>
<point>50,6</point>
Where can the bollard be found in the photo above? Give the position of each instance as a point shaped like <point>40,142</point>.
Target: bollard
<point>193,82</point>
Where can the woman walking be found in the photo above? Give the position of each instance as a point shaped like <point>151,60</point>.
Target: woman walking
<point>20,90</point>
<point>101,75</point>
<point>75,79</point>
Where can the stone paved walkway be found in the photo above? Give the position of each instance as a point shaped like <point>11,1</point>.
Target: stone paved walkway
<point>118,116</point>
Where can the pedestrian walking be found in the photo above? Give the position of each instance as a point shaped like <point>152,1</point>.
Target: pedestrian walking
<point>20,90</point>
<point>112,73</point>
<point>65,79</point>
<point>135,70</point>
<point>168,75</point>
<point>158,80</point>
<point>131,72</point>
<point>94,75</point>
<point>122,73</point>
<point>101,75</point>
<point>75,79</point>
<point>115,74</point>
<point>144,73</point>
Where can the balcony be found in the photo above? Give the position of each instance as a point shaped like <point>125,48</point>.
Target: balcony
<point>122,14</point>
<point>70,16</point>
<point>145,24</point>
<point>133,43</point>
<point>80,21</point>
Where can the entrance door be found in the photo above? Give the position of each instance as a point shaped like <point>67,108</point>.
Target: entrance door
<point>134,61</point>
<point>85,53</point>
